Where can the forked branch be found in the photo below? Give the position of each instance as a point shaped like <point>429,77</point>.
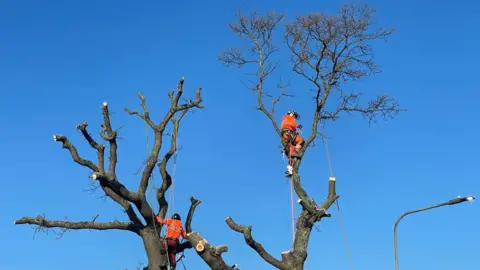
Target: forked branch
<point>110,135</point>
<point>160,128</point>
<point>105,187</point>
<point>247,234</point>
<point>258,32</point>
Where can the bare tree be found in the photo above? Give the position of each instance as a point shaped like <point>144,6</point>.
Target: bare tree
<point>110,183</point>
<point>327,50</point>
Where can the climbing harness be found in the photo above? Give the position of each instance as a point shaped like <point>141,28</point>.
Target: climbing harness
<point>332,178</point>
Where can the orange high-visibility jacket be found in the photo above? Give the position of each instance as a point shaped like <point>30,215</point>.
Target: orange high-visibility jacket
<point>288,122</point>
<point>174,228</point>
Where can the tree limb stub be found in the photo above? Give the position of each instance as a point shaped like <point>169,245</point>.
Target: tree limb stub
<point>247,234</point>
<point>91,225</point>
<point>210,254</point>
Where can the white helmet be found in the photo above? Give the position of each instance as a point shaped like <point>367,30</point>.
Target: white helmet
<point>294,114</point>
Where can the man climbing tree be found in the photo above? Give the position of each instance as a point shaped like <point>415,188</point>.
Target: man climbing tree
<point>106,176</point>
<point>291,139</point>
<point>327,51</point>
<point>174,231</point>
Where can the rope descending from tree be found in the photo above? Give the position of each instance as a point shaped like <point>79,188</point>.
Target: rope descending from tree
<point>338,207</point>
<point>151,179</point>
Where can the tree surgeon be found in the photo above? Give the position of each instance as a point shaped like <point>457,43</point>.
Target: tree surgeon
<point>291,138</point>
<point>172,242</point>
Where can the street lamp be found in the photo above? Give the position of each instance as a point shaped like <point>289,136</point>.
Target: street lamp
<point>450,202</point>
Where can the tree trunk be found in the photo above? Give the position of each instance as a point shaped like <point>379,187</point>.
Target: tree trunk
<point>157,258</point>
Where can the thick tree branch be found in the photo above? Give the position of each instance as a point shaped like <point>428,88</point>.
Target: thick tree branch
<point>110,135</point>
<point>182,110</point>
<point>74,153</point>
<point>160,128</point>
<point>108,191</point>
<point>166,177</point>
<point>193,205</point>
<point>90,225</point>
<point>99,147</point>
<point>211,255</point>
<point>247,234</point>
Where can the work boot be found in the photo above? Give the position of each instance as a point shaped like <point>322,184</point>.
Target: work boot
<point>289,171</point>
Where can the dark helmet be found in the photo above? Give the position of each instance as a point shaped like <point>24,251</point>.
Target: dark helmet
<point>176,216</point>
<point>294,114</point>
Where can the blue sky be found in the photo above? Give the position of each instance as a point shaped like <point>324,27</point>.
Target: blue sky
<point>61,59</point>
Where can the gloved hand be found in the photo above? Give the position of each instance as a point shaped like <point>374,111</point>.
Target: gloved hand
<point>299,126</point>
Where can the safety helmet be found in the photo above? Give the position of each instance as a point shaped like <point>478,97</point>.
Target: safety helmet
<point>176,216</point>
<point>294,114</point>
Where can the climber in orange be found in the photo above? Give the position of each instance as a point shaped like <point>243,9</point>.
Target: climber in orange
<point>290,136</point>
<point>174,230</point>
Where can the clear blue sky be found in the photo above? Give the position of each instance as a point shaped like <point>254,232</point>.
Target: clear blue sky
<point>61,59</point>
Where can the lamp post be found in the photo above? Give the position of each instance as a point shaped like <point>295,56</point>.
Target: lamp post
<point>450,202</point>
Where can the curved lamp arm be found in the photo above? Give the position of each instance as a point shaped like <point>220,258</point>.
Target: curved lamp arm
<point>450,202</point>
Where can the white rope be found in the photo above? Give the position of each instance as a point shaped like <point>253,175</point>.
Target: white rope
<point>325,140</point>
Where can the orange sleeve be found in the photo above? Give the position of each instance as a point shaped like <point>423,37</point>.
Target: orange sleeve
<point>164,221</point>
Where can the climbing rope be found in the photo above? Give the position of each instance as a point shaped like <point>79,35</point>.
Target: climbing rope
<point>172,192</point>
<point>293,209</point>
<point>153,189</point>
<point>292,203</point>
<point>338,207</point>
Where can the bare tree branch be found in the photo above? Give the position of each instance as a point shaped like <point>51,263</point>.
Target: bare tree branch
<point>105,187</point>
<point>383,106</point>
<point>258,31</point>
<point>99,147</point>
<point>91,225</point>
<point>247,234</point>
<point>182,110</point>
<point>146,115</point>
<point>66,144</point>
<point>212,255</point>
<point>108,134</point>
<point>193,205</point>
<point>159,130</point>
<point>328,50</point>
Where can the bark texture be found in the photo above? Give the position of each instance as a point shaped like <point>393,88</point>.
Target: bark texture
<point>327,50</point>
